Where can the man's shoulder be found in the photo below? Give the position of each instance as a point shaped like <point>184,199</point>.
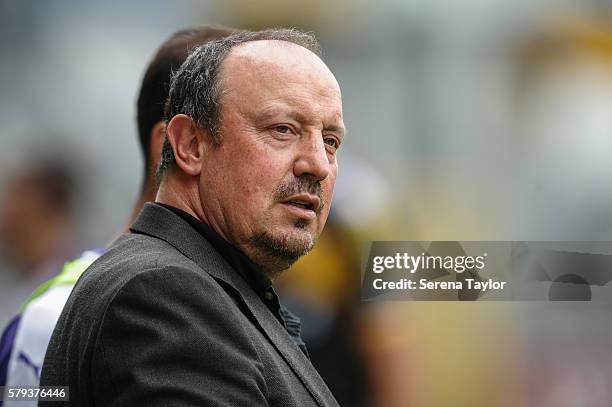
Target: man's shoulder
<point>140,281</point>
<point>133,257</point>
<point>134,269</point>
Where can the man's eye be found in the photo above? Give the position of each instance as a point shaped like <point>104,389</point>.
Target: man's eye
<point>330,141</point>
<point>282,129</point>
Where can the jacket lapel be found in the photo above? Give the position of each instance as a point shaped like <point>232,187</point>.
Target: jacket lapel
<point>157,221</point>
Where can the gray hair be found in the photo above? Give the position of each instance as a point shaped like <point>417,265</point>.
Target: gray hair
<point>195,90</point>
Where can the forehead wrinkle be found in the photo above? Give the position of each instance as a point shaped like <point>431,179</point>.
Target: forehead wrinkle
<point>284,98</point>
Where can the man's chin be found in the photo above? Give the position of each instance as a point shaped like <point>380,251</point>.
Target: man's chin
<point>286,247</point>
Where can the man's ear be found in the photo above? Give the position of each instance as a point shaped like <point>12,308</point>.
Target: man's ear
<point>187,143</point>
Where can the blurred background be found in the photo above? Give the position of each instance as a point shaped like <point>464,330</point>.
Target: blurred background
<point>467,119</point>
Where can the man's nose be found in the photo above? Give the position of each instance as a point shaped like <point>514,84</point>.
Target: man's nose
<point>312,158</point>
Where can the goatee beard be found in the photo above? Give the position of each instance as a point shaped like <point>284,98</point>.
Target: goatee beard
<point>275,254</point>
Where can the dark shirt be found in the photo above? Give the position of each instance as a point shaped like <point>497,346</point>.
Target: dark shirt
<point>250,272</point>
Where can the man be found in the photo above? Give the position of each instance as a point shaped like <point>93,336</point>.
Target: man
<point>182,311</point>
<point>25,340</point>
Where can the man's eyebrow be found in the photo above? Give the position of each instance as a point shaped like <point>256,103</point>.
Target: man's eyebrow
<point>336,129</point>
<point>270,113</point>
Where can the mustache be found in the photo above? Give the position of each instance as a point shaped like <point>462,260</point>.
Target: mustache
<point>300,185</point>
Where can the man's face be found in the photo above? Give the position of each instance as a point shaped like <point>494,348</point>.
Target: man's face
<point>268,186</point>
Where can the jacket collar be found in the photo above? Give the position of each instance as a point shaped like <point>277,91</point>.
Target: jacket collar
<point>161,223</point>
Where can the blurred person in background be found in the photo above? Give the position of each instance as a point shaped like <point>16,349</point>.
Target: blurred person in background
<point>24,341</point>
<point>37,223</point>
<point>37,219</point>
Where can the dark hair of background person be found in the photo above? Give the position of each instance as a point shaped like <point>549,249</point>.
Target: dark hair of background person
<point>156,81</point>
<point>195,89</point>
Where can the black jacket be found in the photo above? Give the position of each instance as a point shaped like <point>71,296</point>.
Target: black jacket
<point>162,320</point>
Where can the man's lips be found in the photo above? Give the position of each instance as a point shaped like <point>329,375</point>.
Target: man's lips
<point>303,205</point>
<point>306,201</point>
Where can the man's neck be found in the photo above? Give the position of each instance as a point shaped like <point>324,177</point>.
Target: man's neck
<point>148,194</point>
